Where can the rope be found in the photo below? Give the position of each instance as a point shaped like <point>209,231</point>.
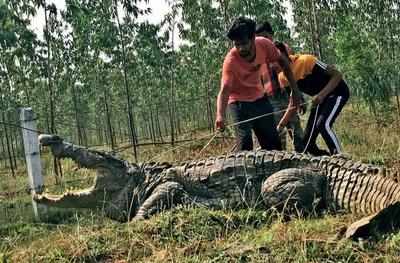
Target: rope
<point>264,115</point>
<point>312,129</point>
<point>181,146</point>
<point>19,126</point>
<point>214,134</point>
<point>207,144</point>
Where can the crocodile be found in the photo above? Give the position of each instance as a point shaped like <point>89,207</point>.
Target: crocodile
<point>288,181</point>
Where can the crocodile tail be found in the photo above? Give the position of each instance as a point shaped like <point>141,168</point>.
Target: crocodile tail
<point>361,188</point>
<point>382,222</point>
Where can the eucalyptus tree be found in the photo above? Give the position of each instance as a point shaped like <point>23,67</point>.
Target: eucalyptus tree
<point>95,40</point>
<point>261,10</point>
<point>366,43</point>
<point>91,35</point>
<point>170,21</point>
<point>17,44</point>
<point>53,67</point>
<point>123,30</point>
<point>148,50</point>
<point>201,57</point>
<point>315,24</point>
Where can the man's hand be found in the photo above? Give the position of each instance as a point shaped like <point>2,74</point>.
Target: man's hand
<point>280,129</point>
<point>303,106</point>
<point>220,124</point>
<point>335,78</point>
<point>294,101</point>
<point>318,99</point>
<point>295,96</point>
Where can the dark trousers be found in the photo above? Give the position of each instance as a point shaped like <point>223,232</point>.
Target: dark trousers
<point>279,102</point>
<point>264,127</point>
<point>320,121</point>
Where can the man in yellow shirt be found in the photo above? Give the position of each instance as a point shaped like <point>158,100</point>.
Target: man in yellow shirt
<point>329,94</point>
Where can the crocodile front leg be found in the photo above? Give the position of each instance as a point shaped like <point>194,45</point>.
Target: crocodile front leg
<point>164,196</point>
<point>295,191</point>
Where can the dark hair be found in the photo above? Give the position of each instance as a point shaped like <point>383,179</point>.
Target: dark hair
<point>266,26</point>
<point>282,48</point>
<point>242,28</point>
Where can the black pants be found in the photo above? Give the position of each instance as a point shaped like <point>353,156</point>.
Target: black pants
<point>320,121</point>
<point>264,128</point>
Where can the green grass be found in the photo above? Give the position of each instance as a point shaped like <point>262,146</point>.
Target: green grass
<point>195,235</point>
<point>198,235</point>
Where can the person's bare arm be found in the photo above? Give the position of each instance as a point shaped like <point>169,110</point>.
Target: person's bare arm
<point>295,96</point>
<point>289,113</point>
<point>285,65</point>
<point>222,103</point>
<point>335,78</point>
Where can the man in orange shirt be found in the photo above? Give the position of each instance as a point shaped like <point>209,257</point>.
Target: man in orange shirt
<point>242,90</point>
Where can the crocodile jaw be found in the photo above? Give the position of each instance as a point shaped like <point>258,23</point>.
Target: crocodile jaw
<point>87,198</point>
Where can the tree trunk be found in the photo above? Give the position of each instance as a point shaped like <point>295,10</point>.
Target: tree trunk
<point>8,145</point>
<point>121,136</point>
<point>99,130</point>
<point>13,143</point>
<point>3,157</point>
<point>165,125</point>
<point>158,126</point>
<point>171,119</point>
<point>108,118</point>
<point>224,10</point>
<point>27,89</point>
<point>210,116</point>
<point>152,129</point>
<point>107,109</point>
<point>393,49</point>
<point>316,30</point>
<point>129,105</point>
<point>76,113</point>
<point>52,126</point>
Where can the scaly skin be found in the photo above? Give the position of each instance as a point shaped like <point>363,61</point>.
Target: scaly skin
<point>252,179</point>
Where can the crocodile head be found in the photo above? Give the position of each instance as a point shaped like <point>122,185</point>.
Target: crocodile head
<point>114,184</point>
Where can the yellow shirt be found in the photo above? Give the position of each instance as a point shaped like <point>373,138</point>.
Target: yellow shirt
<point>302,66</point>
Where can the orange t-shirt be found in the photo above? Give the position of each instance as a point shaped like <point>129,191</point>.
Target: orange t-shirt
<point>242,78</point>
